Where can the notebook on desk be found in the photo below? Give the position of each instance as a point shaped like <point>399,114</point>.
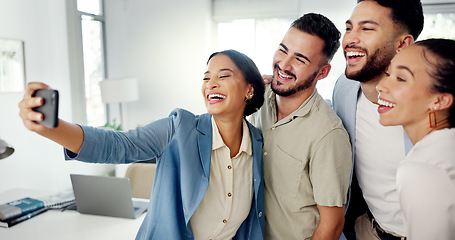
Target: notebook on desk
<point>106,196</point>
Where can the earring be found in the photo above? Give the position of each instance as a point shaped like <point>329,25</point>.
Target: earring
<point>248,99</point>
<point>432,118</point>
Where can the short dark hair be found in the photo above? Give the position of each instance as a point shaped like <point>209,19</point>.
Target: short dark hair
<point>443,71</point>
<point>407,13</point>
<point>319,25</point>
<point>252,76</point>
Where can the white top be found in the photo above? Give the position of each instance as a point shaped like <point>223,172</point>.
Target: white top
<point>378,153</point>
<point>426,187</point>
<point>228,199</point>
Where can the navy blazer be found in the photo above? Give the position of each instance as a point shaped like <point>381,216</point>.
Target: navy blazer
<point>182,145</point>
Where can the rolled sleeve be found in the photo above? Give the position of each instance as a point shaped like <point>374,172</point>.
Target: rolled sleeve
<point>330,169</point>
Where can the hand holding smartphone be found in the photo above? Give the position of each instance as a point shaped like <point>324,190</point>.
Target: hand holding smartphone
<point>49,109</point>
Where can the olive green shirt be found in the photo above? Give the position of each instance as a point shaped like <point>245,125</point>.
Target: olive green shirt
<point>307,160</point>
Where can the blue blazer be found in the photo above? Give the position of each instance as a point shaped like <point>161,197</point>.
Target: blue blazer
<point>346,93</point>
<point>182,144</point>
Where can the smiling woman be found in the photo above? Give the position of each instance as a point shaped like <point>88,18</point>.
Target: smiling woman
<point>208,181</point>
<point>241,70</point>
<point>418,92</point>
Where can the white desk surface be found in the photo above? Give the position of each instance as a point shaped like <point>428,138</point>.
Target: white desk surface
<point>68,225</point>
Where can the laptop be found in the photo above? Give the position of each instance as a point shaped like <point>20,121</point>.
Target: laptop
<point>106,196</point>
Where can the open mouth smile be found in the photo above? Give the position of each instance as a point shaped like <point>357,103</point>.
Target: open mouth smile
<point>386,103</point>
<point>354,55</point>
<point>284,77</point>
<point>215,97</point>
<point>385,106</point>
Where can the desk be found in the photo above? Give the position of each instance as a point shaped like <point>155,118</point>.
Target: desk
<point>68,225</point>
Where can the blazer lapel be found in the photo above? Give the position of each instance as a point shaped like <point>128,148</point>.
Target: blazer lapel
<point>204,145</point>
<point>204,142</point>
<point>256,141</point>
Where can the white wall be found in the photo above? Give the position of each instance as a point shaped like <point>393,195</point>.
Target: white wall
<point>37,162</point>
<point>165,46</point>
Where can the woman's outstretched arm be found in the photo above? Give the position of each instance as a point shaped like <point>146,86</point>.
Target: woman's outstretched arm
<point>67,134</point>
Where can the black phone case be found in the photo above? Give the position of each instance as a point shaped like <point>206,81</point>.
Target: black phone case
<point>49,109</point>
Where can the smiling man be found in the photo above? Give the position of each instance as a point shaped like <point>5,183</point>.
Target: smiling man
<point>307,157</point>
<point>375,32</point>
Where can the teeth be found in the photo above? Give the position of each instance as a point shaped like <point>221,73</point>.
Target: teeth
<point>217,96</point>
<point>283,75</point>
<point>386,103</point>
<point>355,54</point>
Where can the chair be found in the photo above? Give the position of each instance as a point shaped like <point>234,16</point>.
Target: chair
<point>141,177</point>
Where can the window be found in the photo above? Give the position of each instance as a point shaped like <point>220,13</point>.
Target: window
<point>92,26</point>
<point>257,38</point>
<point>439,25</point>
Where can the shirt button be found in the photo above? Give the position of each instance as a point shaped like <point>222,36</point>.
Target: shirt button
<point>229,167</point>
<point>265,153</point>
<point>224,221</point>
<point>260,214</point>
<point>273,128</point>
<point>229,194</point>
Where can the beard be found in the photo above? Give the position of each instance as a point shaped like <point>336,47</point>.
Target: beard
<point>308,82</point>
<point>375,65</point>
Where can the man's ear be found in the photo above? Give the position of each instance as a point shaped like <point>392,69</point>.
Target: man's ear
<point>323,71</point>
<point>404,41</point>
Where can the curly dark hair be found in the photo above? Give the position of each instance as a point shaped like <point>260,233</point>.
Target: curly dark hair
<point>252,76</point>
<point>443,71</point>
<point>319,25</point>
<point>408,14</point>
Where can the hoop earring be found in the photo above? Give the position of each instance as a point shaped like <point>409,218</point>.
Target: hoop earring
<point>432,118</point>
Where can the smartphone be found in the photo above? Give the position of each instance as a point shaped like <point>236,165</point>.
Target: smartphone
<point>49,109</point>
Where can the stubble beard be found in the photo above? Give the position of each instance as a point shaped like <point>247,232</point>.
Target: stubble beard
<point>293,90</point>
<point>375,66</point>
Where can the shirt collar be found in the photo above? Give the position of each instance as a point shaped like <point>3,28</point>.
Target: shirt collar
<point>245,146</point>
<point>303,109</point>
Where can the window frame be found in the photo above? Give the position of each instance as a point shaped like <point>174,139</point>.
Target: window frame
<point>76,58</point>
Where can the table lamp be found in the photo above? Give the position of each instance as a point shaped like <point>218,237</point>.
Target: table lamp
<point>5,149</point>
<point>119,90</point>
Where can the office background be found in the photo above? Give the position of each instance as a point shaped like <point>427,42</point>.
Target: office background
<point>163,44</point>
